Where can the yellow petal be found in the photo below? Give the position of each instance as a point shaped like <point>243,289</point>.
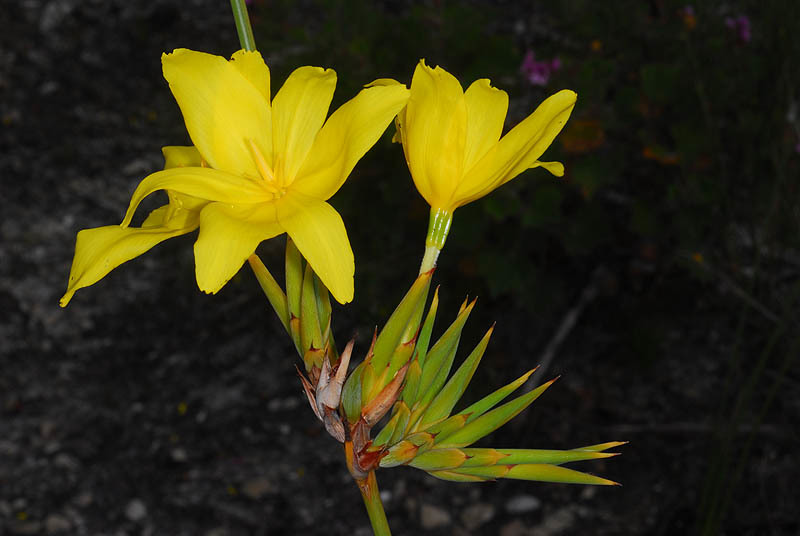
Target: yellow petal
<point>486,113</point>
<point>252,66</point>
<point>228,235</point>
<point>203,183</point>
<point>520,148</point>
<point>222,108</point>
<point>298,111</point>
<point>434,132</point>
<point>556,168</point>
<point>319,233</point>
<point>346,137</point>
<point>181,156</point>
<point>100,250</point>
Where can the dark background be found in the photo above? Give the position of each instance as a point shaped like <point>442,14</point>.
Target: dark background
<point>147,407</point>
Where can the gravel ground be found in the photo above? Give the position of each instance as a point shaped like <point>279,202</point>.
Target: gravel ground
<point>149,408</point>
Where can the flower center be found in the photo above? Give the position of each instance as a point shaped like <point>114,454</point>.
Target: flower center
<point>270,182</point>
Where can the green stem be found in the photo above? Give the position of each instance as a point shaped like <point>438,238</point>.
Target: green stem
<point>242,22</point>
<point>438,228</point>
<point>372,500</point>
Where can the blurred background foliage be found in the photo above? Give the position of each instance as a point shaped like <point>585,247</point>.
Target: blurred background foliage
<point>679,154</point>
<point>681,160</point>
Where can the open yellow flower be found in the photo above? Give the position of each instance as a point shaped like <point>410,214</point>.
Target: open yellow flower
<point>257,169</point>
<point>451,139</point>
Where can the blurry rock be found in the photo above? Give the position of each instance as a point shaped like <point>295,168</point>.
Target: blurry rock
<point>8,449</point>
<point>218,531</point>
<point>476,515</point>
<point>556,523</point>
<point>65,461</point>
<point>56,524</point>
<point>136,510</point>
<point>515,528</point>
<point>432,517</point>
<point>53,14</point>
<point>522,504</point>
<point>26,527</point>
<point>178,454</point>
<point>83,499</point>
<point>257,487</point>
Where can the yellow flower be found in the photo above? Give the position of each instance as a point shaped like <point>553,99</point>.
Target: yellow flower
<point>257,169</point>
<point>452,142</point>
<point>451,139</point>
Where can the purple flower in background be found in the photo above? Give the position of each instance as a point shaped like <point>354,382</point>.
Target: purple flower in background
<point>740,25</point>
<point>689,17</point>
<point>538,72</point>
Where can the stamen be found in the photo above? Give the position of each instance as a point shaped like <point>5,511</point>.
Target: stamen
<point>261,164</point>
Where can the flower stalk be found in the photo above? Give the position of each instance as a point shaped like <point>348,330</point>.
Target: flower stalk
<point>242,22</point>
<point>438,228</point>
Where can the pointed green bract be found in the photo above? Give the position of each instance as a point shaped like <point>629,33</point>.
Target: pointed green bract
<point>294,277</point>
<point>400,453</point>
<point>447,426</point>
<point>294,288</point>
<point>400,356</point>
<point>272,290</point>
<point>452,476</point>
<point>489,401</point>
<point>351,395</point>
<point>554,473</point>
<point>403,316</point>
<point>403,414</point>
<point>445,401</point>
<point>388,431</point>
<point>438,459</point>
<point>324,307</point>
<point>424,338</point>
<point>310,325</point>
<point>603,446</point>
<point>413,377</point>
<point>440,358</point>
<point>482,457</point>
<point>493,419</point>
<point>529,456</point>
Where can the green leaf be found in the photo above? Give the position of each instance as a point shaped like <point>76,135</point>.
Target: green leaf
<point>438,459</point>
<point>272,290</point>
<point>447,398</point>
<point>403,316</point>
<point>492,420</point>
<point>351,395</point>
<point>440,358</point>
<point>489,401</point>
